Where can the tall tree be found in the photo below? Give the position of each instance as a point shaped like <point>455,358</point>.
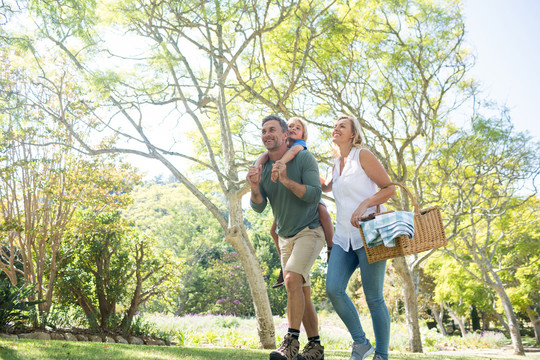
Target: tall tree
<point>523,277</point>
<point>171,215</point>
<point>98,269</point>
<point>40,189</point>
<point>112,264</point>
<point>483,173</point>
<point>41,183</point>
<point>204,66</point>
<point>456,292</point>
<point>400,68</point>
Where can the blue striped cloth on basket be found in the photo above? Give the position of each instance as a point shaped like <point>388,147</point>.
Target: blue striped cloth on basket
<point>385,228</point>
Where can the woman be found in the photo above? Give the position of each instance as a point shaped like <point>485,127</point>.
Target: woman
<point>356,176</point>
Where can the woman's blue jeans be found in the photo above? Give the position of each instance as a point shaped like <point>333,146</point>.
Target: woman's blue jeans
<point>340,269</point>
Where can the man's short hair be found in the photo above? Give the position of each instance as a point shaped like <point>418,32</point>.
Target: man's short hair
<point>282,122</point>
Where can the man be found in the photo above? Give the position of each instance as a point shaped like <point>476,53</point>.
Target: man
<point>294,199</point>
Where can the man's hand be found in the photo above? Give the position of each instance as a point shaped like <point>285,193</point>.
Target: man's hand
<point>296,188</point>
<point>274,176</point>
<point>280,169</point>
<point>253,176</point>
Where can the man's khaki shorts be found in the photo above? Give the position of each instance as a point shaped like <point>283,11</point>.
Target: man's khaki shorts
<point>299,252</point>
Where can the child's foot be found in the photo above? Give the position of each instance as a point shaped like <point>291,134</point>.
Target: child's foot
<point>279,281</point>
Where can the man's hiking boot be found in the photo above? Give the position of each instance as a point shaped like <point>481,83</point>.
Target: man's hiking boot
<point>288,349</point>
<point>312,351</point>
<point>279,281</point>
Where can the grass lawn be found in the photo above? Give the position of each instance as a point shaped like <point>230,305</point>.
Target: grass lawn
<point>208,337</point>
<point>53,350</point>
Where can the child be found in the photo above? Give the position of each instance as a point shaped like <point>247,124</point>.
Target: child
<point>297,142</point>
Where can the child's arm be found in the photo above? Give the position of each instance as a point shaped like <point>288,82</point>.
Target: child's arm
<point>262,159</point>
<point>288,156</point>
<point>291,154</point>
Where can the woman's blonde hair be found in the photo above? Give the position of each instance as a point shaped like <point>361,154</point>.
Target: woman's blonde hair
<point>357,141</point>
<point>297,120</point>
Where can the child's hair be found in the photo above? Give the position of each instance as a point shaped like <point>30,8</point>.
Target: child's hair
<point>297,120</point>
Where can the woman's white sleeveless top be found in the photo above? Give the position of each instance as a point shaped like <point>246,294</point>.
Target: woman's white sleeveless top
<point>350,188</point>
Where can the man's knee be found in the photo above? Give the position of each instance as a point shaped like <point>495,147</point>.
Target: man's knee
<point>293,281</point>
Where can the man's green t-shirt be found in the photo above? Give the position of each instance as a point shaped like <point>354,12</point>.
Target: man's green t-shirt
<point>292,214</point>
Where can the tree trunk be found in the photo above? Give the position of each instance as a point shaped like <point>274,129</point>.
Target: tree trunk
<point>50,286</point>
<point>438,316</point>
<point>535,321</point>
<point>135,302</point>
<point>485,322</point>
<point>502,321</point>
<point>7,253</point>
<point>106,308</point>
<point>513,325</point>
<point>137,293</point>
<point>460,320</point>
<point>89,309</point>
<point>237,237</point>
<point>411,304</point>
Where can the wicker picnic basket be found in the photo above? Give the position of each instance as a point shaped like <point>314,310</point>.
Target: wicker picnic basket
<point>428,233</point>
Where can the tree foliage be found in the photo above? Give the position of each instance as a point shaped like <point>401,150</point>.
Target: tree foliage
<point>112,265</point>
<point>196,76</point>
<point>210,280</point>
<point>400,68</point>
<point>99,267</point>
<point>15,308</point>
<point>484,183</point>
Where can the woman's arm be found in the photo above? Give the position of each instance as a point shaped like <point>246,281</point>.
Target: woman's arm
<point>376,172</point>
<point>326,185</point>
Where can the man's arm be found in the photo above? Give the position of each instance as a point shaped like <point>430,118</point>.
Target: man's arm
<point>310,190</point>
<point>257,200</point>
<point>297,189</point>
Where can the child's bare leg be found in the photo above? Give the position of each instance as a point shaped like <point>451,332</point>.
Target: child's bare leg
<point>275,237</point>
<point>279,281</point>
<point>327,225</point>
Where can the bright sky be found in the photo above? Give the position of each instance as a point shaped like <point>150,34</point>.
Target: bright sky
<point>505,37</point>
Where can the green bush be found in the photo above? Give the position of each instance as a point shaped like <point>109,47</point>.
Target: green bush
<point>141,326</point>
<point>61,316</point>
<point>227,322</point>
<point>14,307</point>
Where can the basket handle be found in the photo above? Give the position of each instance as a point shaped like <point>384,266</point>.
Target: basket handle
<point>415,204</point>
